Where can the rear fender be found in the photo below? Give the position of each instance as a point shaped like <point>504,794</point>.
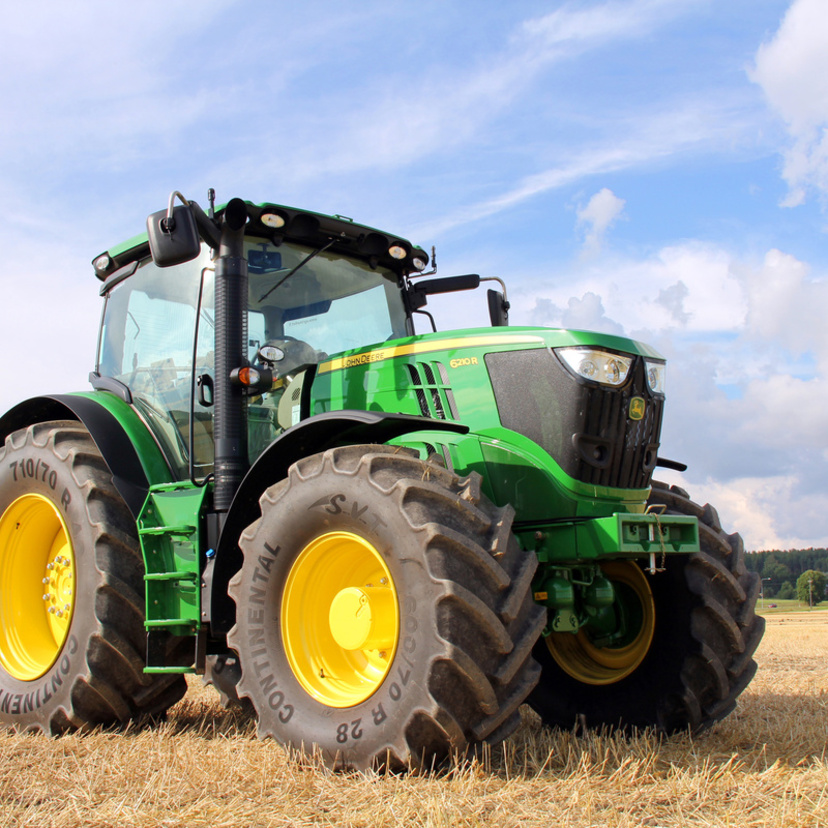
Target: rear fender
<point>115,428</point>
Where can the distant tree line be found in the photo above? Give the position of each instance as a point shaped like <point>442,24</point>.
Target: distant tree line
<point>792,573</point>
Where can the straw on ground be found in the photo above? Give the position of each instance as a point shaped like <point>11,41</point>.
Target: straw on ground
<point>766,765</point>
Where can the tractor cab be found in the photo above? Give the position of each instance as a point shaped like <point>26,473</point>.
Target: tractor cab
<point>315,285</point>
<point>158,336</point>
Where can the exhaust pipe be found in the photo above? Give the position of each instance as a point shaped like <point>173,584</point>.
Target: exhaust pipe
<point>230,409</point>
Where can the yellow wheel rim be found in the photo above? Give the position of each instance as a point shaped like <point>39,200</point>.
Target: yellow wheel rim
<point>340,619</point>
<point>37,586</point>
<point>581,659</point>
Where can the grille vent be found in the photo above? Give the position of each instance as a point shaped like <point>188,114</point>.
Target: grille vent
<point>430,384</point>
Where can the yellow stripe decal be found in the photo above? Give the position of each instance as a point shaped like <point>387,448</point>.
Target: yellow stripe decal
<point>381,354</point>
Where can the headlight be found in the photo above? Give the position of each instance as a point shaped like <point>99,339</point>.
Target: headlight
<point>655,375</point>
<point>598,366</point>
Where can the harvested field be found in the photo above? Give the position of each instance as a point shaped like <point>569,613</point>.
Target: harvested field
<point>766,765</point>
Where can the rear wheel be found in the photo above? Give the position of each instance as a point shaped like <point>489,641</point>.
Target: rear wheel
<point>687,654</point>
<point>71,589</point>
<point>384,613</point>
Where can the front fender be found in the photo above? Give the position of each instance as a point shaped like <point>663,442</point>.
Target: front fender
<point>311,436</point>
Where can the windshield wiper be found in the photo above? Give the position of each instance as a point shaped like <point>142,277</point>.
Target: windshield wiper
<point>301,264</point>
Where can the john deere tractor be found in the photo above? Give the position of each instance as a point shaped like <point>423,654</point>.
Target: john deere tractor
<point>387,541</point>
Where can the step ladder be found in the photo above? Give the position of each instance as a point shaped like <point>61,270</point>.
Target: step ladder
<point>170,529</point>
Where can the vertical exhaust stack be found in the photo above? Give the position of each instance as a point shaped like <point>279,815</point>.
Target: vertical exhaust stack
<point>230,412</point>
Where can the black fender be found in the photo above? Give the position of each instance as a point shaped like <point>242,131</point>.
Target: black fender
<point>106,431</point>
<point>311,436</point>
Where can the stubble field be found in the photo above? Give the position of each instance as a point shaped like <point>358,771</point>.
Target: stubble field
<point>766,765</point>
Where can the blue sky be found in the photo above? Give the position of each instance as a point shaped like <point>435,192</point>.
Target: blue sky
<point>657,168</point>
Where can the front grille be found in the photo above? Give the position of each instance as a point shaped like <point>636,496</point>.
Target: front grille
<point>586,428</point>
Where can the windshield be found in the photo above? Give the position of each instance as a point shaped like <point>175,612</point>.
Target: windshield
<point>330,302</point>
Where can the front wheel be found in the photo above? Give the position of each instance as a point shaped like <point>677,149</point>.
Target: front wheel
<point>384,614</point>
<point>687,654</point>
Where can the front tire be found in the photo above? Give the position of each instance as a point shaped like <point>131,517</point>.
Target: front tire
<point>699,656</point>
<point>72,639</point>
<point>384,614</point>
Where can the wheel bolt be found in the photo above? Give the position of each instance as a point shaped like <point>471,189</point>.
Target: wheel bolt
<point>50,566</point>
<point>46,596</point>
<point>52,610</point>
<point>45,581</point>
<point>67,608</point>
<point>59,613</point>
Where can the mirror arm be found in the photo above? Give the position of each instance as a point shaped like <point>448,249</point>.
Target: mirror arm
<point>209,231</point>
<point>500,282</point>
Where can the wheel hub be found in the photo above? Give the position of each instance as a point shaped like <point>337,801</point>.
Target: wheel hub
<point>37,586</point>
<point>363,618</point>
<point>340,619</point>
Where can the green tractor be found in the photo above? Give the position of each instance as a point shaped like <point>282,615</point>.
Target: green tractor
<point>386,541</point>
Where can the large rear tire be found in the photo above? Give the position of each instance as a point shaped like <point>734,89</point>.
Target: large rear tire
<point>692,656</point>
<point>72,637</point>
<point>384,612</point>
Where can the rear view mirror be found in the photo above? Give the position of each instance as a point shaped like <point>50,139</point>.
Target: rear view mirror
<point>498,309</point>
<point>264,261</point>
<point>173,234</point>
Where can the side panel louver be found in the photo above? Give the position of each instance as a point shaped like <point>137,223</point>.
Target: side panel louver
<point>430,383</point>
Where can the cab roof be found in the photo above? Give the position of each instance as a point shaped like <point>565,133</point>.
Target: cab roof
<point>301,226</point>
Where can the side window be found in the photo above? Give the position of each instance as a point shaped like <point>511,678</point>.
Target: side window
<point>147,343</point>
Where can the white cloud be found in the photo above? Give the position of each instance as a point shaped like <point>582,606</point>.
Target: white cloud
<point>673,298</point>
<point>585,314</point>
<point>792,69</point>
<point>691,288</point>
<point>786,412</point>
<point>788,305</point>
<point>572,27</point>
<point>599,214</point>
